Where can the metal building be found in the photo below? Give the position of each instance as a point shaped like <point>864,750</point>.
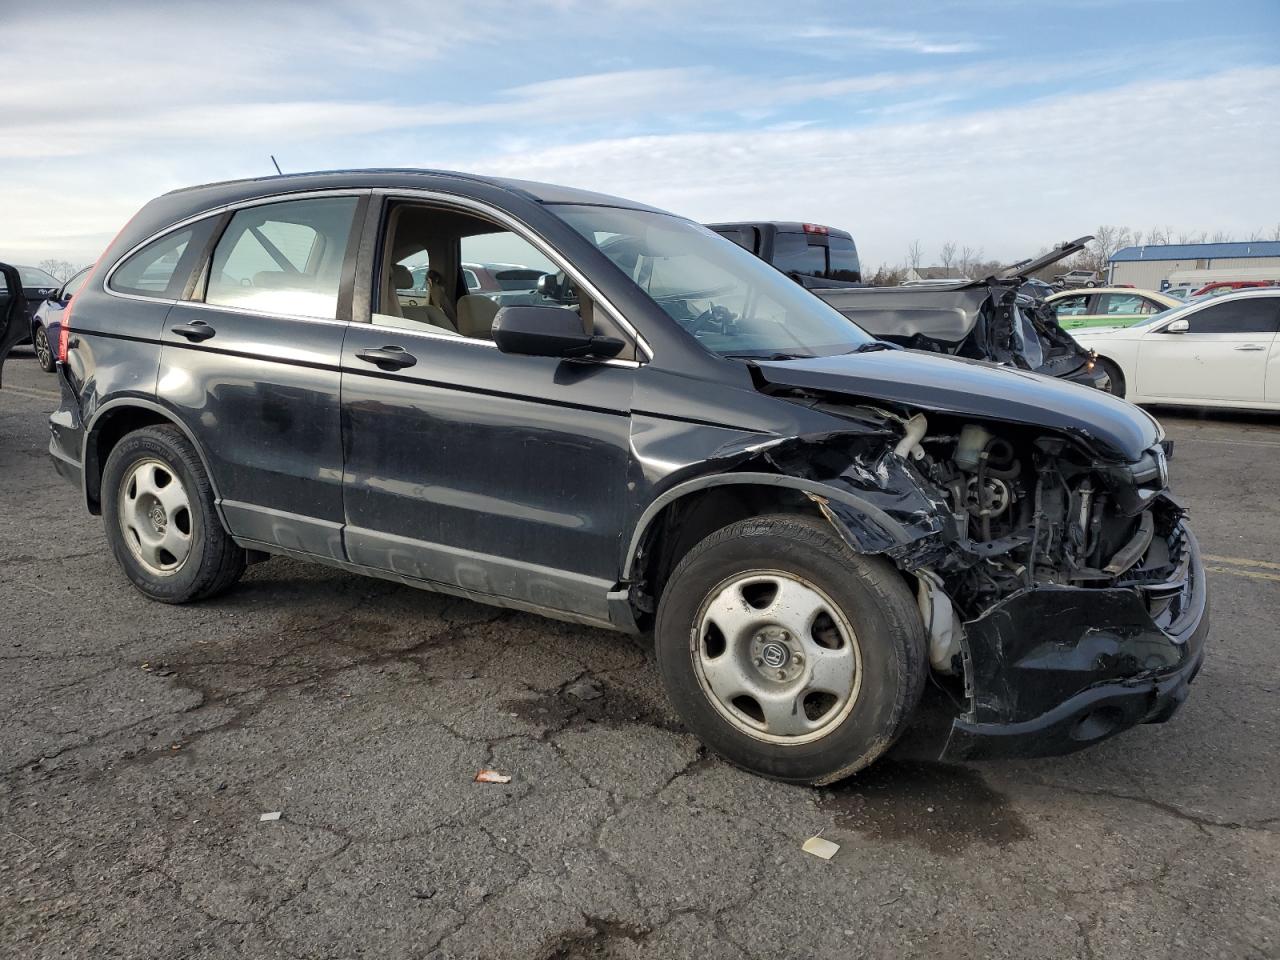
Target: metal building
<point>1156,267</point>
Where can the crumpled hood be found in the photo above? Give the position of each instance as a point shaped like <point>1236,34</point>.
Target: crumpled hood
<point>974,388</point>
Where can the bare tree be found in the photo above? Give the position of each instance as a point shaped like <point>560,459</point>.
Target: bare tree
<point>1220,236</point>
<point>1106,241</point>
<point>947,256</point>
<point>969,256</point>
<point>1275,234</point>
<point>915,253</point>
<point>60,270</point>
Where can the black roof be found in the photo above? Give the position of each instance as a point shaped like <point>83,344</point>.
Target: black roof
<point>406,177</point>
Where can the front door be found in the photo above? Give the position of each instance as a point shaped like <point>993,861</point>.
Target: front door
<point>500,475</point>
<point>1222,355</point>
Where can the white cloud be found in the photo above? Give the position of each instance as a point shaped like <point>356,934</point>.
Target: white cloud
<point>1008,180</point>
<point>880,39</point>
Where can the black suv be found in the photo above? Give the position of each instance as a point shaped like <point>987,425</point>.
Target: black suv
<point>671,436</point>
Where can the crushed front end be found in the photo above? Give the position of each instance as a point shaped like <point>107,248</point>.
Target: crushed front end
<point>1061,587</point>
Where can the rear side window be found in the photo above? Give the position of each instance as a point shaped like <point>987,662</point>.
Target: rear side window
<point>161,268</point>
<point>844,263</point>
<point>1261,315</point>
<point>792,253</point>
<point>283,258</point>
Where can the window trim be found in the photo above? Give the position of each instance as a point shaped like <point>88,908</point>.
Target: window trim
<point>526,233</point>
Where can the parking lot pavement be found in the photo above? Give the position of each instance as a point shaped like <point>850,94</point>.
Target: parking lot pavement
<point>140,744</point>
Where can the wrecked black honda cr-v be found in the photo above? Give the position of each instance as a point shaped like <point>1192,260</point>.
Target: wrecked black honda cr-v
<point>672,436</point>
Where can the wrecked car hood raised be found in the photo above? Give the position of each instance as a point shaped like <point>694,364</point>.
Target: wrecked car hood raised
<point>973,388</point>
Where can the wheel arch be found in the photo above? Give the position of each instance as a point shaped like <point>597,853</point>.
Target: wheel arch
<point>681,517</point>
<point>112,423</point>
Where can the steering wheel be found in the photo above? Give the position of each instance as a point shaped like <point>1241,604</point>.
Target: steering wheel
<point>714,316</point>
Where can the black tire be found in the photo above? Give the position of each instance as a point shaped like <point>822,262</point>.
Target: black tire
<point>1112,370</point>
<point>871,595</point>
<point>214,562</point>
<point>44,353</point>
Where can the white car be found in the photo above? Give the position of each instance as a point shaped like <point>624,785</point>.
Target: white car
<point>1218,352</point>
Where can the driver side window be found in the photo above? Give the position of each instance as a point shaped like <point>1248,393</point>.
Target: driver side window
<point>448,273</point>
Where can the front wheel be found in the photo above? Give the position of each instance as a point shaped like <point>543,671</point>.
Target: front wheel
<point>1114,375</point>
<point>157,507</point>
<point>44,354</point>
<point>787,653</point>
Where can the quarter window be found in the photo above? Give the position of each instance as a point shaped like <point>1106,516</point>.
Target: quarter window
<point>1260,315</point>
<point>284,258</point>
<point>161,268</point>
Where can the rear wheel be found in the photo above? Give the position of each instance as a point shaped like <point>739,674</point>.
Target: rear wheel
<point>1112,370</point>
<point>157,507</point>
<point>787,653</point>
<point>44,355</point>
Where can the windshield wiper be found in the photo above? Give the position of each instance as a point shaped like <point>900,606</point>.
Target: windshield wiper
<point>768,356</point>
<point>873,346</point>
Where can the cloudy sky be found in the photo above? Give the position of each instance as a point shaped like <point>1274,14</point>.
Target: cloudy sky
<point>1000,124</point>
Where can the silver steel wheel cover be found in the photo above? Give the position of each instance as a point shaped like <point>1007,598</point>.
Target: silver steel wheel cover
<point>776,657</point>
<point>155,516</point>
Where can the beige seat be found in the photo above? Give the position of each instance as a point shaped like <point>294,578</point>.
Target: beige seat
<point>402,279</point>
<point>475,316</point>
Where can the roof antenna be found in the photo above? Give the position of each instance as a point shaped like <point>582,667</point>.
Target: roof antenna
<point>277,165</point>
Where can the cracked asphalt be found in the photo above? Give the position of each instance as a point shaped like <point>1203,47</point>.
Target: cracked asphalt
<point>140,743</point>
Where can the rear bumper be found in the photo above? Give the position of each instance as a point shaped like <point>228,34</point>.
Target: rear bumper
<point>1055,670</point>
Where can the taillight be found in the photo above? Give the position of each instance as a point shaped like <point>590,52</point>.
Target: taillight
<point>64,331</point>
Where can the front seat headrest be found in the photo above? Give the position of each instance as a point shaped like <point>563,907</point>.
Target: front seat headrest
<point>402,277</point>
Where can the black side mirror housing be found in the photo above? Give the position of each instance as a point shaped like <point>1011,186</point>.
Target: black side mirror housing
<point>548,286</point>
<point>538,331</point>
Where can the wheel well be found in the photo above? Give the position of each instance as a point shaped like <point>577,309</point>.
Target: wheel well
<point>1111,366</point>
<point>113,427</point>
<point>685,522</point>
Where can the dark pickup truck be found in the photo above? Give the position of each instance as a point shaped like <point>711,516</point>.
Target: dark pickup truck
<point>1002,319</point>
<point>800,249</point>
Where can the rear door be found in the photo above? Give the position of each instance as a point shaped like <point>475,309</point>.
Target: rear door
<point>250,362</point>
<point>1222,356</point>
<point>1074,312</point>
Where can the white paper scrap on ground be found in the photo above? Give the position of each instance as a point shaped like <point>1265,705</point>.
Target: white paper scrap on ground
<point>821,848</point>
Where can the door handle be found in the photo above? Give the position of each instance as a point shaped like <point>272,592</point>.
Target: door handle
<point>195,331</point>
<point>1251,346</point>
<point>388,358</point>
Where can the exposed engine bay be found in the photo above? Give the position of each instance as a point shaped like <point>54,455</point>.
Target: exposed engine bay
<point>1045,568</point>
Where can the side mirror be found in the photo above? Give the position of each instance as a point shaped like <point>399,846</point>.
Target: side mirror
<point>539,331</point>
<point>1177,326</point>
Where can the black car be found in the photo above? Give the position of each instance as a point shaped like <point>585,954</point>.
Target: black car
<point>678,438</point>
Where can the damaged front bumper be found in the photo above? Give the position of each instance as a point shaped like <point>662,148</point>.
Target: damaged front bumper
<point>1053,669</point>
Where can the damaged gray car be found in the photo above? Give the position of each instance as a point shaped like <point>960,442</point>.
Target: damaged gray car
<point>675,438</point>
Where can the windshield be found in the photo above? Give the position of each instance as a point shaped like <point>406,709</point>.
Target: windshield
<point>735,304</point>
